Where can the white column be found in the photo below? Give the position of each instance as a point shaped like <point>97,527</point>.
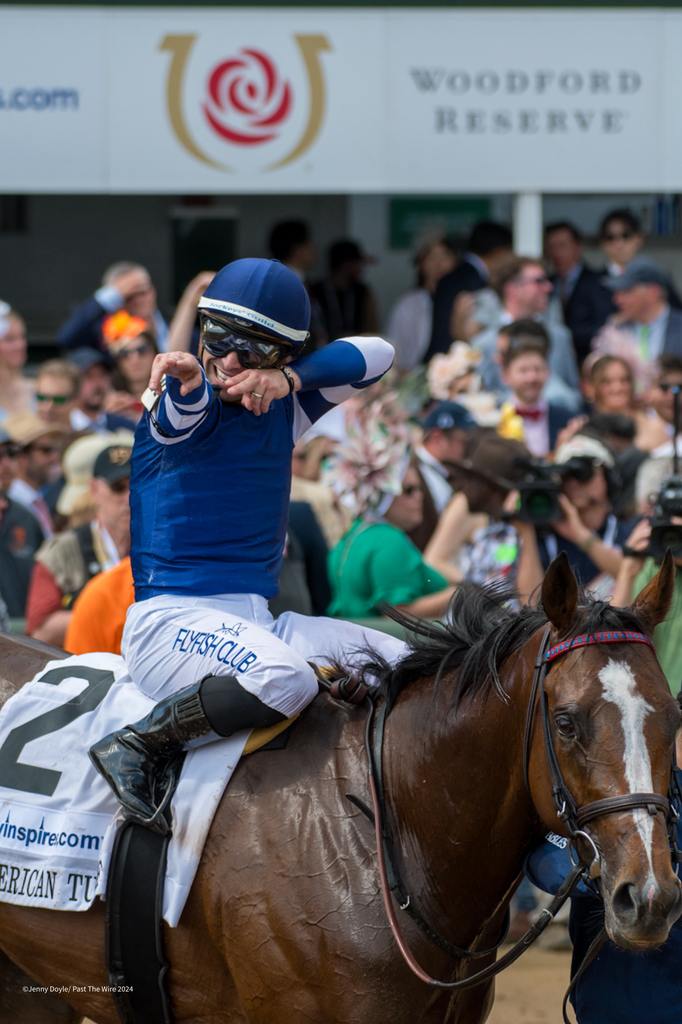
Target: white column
<point>528,223</point>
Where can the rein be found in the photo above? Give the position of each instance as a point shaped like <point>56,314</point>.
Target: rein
<point>573,816</point>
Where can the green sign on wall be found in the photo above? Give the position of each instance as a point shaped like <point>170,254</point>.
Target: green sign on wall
<point>412,217</point>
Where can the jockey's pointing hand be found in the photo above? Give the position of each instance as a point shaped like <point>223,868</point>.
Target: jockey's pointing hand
<point>259,388</point>
<point>181,365</point>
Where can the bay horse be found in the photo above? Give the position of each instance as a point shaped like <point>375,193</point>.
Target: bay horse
<point>285,920</point>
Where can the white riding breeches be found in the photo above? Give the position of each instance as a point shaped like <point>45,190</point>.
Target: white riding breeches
<point>170,642</point>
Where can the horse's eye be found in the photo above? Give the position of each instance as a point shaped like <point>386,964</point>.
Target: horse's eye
<point>565,726</point>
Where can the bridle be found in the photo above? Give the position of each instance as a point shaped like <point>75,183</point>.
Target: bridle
<point>575,819</point>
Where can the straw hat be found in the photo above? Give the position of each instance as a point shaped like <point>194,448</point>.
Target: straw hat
<point>79,462</point>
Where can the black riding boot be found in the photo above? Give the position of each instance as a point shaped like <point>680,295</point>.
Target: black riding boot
<point>138,761</point>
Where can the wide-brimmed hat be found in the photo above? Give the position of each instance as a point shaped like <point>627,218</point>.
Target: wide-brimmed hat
<point>79,463</point>
<point>500,461</point>
<point>25,428</point>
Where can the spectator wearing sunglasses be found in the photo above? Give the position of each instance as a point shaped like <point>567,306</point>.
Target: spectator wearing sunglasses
<point>65,563</point>
<point>621,239</point>
<point>57,385</point>
<point>524,290</point>
<point>38,447</point>
<point>667,383</point>
<point>16,391</point>
<point>132,349</point>
<point>209,507</point>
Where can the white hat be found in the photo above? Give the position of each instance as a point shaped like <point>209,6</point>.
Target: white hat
<point>582,447</point>
<point>78,464</point>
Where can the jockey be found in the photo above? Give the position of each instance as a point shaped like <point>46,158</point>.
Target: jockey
<point>211,472</point>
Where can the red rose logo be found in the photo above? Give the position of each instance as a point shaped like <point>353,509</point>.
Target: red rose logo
<point>247,99</point>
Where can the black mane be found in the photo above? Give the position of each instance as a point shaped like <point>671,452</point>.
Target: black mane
<point>480,633</point>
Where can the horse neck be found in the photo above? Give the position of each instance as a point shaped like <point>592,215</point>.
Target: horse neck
<point>457,801</point>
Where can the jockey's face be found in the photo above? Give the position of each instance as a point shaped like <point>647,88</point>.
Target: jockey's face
<point>227,352</point>
<point>220,373</point>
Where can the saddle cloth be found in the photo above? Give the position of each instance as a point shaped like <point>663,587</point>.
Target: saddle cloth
<point>58,817</point>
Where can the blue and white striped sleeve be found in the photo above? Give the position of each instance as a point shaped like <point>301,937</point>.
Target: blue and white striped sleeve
<point>175,417</point>
<point>334,373</point>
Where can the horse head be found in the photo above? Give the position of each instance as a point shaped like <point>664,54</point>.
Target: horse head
<point>611,722</point>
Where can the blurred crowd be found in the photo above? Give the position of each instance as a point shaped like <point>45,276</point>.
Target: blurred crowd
<point>530,410</point>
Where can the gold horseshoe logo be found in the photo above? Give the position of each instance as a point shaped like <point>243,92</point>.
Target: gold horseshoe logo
<point>310,46</point>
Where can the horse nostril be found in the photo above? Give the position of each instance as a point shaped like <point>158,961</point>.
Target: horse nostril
<point>624,901</point>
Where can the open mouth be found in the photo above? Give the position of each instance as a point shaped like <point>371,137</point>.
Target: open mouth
<point>223,377</point>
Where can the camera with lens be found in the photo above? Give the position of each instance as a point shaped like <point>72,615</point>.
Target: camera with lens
<point>664,532</point>
<point>539,491</point>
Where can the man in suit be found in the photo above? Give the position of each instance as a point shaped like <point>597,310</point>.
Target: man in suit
<point>641,296</point>
<point>525,373</point>
<point>89,411</point>
<point>585,301</point>
<point>488,244</point>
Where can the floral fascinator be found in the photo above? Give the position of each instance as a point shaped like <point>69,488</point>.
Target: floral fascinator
<point>367,469</point>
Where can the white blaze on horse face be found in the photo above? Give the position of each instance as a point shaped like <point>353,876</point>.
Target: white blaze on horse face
<point>620,688</point>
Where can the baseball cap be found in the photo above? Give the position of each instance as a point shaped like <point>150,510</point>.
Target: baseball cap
<point>638,272</point>
<point>25,428</point>
<point>86,358</point>
<point>447,415</point>
<point>78,464</point>
<point>113,463</point>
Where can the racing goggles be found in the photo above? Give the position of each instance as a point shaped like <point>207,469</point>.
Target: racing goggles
<point>253,353</point>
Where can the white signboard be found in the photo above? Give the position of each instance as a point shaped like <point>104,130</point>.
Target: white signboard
<point>318,100</point>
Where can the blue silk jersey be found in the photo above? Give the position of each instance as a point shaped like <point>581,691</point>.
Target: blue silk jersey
<point>209,490</point>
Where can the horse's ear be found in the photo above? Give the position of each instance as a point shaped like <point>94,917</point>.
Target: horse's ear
<point>652,604</point>
<point>560,594</point>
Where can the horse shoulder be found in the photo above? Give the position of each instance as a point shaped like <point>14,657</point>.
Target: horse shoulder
<point>285,832</point>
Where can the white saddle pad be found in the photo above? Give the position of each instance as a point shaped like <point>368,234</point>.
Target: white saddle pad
<point>58,817</point>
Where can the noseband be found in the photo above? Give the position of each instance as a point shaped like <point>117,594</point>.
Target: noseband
<point>573,816</point>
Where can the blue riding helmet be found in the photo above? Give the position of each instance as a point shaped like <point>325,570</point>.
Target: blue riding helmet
<point>262,297</point>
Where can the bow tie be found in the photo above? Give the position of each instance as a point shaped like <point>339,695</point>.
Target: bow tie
<point>529,414</point>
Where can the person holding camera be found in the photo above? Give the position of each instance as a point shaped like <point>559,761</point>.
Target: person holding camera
<point>659,493</point>
<point>502,547</point>
<point>587,530</point>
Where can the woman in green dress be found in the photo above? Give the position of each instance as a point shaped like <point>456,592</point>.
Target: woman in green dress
<point>375,563</point>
